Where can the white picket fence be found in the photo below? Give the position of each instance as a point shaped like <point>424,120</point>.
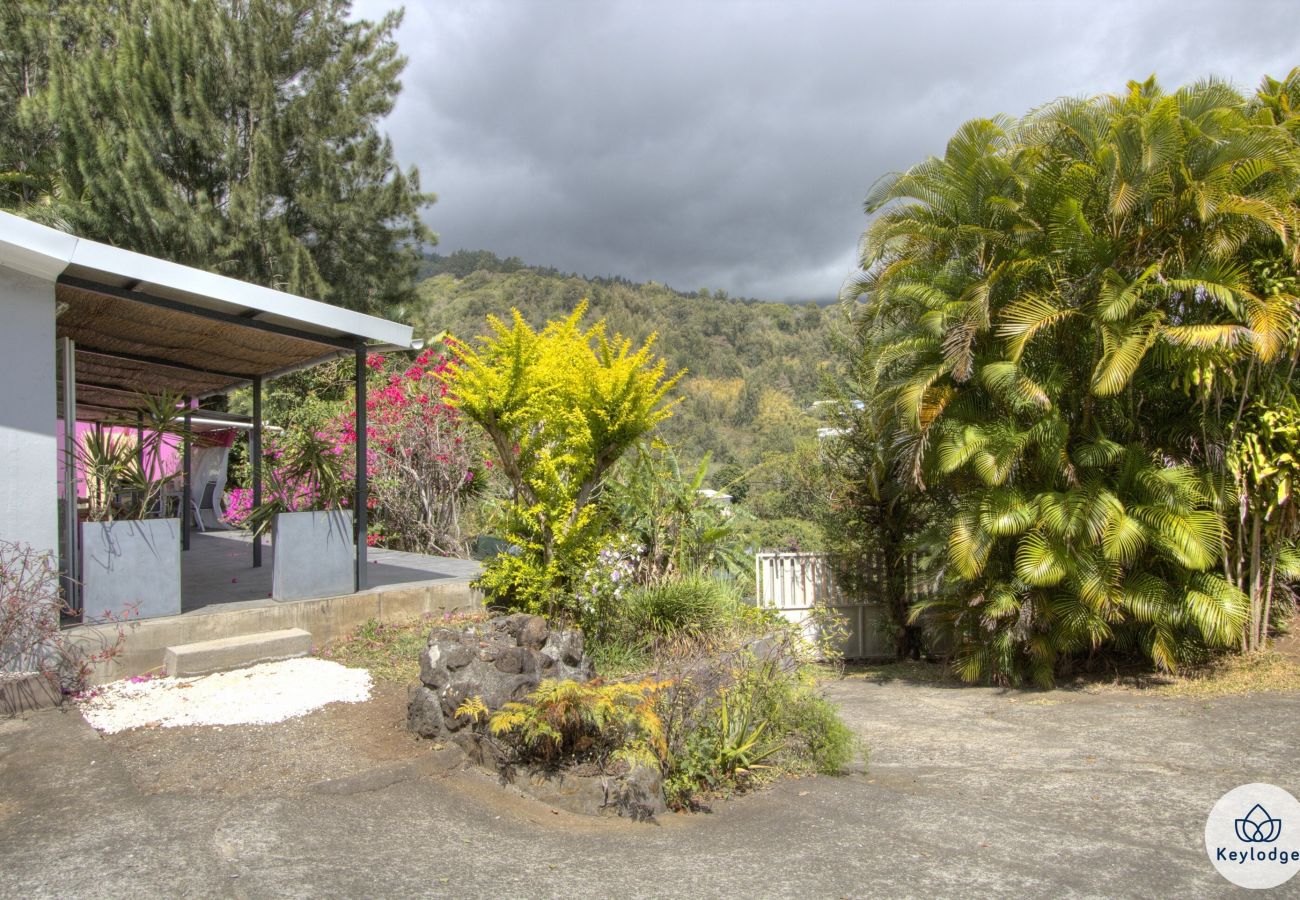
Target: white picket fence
<point>793,584</point>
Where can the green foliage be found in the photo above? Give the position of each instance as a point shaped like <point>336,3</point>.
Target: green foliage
<point>559,406</point>
<point>786,533</point>
<point>32,30</point>
<point>817,739</point>
<point>763,717</point>
<point>734,349</point>
<point>675,618</point>
<point>619,656</point>
<point>1055,323</point>
<point>303,473</point>
<point>789,484</point>
<point>739,748</point>
<point>755,368</point>
<point>123,473</point>
<point>234,136</point>
<point>691,608</point>
<point>676,526</point>
<point>1264,464</point>
<point>472,708</point>
<point>721,713</point>
<point>608,723</point>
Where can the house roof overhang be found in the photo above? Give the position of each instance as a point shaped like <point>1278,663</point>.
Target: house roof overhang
<point>141,325</point>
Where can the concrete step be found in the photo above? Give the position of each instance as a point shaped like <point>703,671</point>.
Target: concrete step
<point>222,654</point>
<point>22,692</point>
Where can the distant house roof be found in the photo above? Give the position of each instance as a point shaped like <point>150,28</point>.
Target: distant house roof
<point>141,325</point>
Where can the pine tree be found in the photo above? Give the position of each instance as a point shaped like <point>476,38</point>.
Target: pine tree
<point>240,136</point>
<point>30,30</point>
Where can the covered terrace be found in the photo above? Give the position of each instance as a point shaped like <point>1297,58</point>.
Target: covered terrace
<point>125,326</point>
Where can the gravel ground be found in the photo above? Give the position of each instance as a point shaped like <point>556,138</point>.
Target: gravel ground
<point>257,695</point>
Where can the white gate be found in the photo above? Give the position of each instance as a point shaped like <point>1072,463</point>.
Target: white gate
<point>793,584</point>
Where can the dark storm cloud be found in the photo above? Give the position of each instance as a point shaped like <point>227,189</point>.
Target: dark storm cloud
<point>729,145</point>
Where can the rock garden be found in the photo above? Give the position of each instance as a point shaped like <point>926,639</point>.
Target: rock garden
<point>703,717</point>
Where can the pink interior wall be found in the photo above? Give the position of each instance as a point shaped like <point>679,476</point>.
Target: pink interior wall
<point>169,459</point>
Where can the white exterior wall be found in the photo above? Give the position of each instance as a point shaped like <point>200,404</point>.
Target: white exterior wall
<point>29,510</point>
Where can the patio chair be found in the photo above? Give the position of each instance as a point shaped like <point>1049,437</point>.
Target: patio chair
<point>199,501</point>
<point>207,500</point>
<point>208,469</point>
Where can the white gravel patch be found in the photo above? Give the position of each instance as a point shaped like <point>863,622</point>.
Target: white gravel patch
<point>258,695</point>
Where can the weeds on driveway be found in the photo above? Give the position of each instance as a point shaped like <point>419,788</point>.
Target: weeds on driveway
<point>390,650</point>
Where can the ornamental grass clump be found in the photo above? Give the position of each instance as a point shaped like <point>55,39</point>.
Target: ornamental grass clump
<point>694,609</point>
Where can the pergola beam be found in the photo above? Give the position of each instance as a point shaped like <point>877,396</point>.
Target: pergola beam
<point>164,363</point>
<point>243,321</point>
<point>105,408</point>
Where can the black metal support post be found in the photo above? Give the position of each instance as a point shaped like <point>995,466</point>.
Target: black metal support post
<point>186,486</point>
<point>139,438</point>
<point>71,523</point>
<point>255,456</point>
<point>361,499</point>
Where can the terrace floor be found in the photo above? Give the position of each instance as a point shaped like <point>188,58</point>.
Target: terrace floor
<point>217,572</point>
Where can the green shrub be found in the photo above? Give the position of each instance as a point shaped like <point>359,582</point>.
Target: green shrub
<point>727,729</point>
<point>690,608</point>
<point>619,656</point>
<point>819,741</point>
<point>714,721</point>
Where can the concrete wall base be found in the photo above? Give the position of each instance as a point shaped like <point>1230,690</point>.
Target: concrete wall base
<point>22,692</point>
<point>145,642</point>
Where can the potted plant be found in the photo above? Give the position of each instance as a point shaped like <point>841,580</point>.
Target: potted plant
<point>311,533</point>
<point>130,546</point>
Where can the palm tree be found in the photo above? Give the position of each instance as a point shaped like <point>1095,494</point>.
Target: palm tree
<point>1055,320</point>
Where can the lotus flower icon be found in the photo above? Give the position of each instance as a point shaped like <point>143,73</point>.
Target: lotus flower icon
<point>1257,826</point>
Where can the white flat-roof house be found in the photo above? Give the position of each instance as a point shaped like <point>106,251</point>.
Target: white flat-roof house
<point>87,329</point>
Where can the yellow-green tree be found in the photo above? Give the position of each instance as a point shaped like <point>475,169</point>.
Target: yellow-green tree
<point>560,407</point>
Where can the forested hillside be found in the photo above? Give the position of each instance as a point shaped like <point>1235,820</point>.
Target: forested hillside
<point>753,368</point>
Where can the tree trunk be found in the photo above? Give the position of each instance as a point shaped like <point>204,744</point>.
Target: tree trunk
<point>1256,600</point>
<point>1268,603</point>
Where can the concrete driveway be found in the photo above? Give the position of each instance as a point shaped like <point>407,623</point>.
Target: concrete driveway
<point>970,792</point>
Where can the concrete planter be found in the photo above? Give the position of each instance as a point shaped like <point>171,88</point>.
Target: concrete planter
<point>314,555</point>
<point>131,568</point>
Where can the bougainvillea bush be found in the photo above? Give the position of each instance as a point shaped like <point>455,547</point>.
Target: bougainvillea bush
<point>423,466</point>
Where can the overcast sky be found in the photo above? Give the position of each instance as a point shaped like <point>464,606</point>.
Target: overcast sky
<point>729,144</point>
